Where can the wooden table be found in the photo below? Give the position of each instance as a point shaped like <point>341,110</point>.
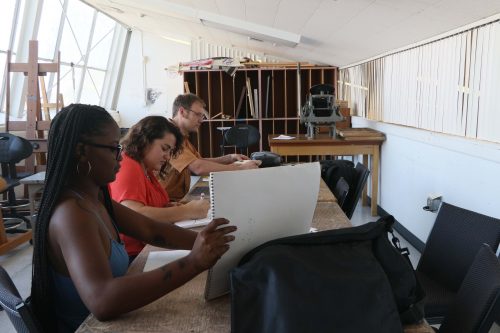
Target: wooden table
<point>323,144</point>
<point>185,309</point>
<point>325,195</point>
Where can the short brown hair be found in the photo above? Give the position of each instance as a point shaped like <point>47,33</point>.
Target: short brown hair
<point>185,100</point>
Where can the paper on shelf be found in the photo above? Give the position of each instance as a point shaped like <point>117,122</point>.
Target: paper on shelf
<point>159,258</point>
<point>284,137</point>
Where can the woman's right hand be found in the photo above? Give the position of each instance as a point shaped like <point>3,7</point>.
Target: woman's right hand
<point>198,209</point>
<point>211,243</point>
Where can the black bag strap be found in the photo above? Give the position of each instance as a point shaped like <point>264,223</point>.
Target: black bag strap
<point>415,312</point>
<point>389,221</point>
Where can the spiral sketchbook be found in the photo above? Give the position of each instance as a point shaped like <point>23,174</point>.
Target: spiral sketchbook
<point>264,204</point>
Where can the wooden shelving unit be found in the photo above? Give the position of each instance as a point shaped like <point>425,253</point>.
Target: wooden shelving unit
<point>278,101</point>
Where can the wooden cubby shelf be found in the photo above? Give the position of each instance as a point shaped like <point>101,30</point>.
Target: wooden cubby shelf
<point>274,92</point>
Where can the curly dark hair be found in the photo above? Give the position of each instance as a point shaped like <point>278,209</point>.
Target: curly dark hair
<point>142,134</point>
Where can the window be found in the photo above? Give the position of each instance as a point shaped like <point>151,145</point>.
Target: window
<point>6,19</point>
<point>449,85</point>
<point>84,38</point>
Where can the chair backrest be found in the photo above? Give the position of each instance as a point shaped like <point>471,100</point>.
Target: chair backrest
<point>18,312</point>
<point>454,240</point>
<point>340,191</point>
<point>242,136</point>
<point>14,149</point>
<point>354,194</point>
<point>476,305</point>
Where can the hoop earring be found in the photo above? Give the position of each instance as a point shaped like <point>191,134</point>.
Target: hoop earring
<point>90,167</point>
<point>78,169</point>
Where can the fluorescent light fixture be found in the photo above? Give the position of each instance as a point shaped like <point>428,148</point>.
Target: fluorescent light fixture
<point>180,41</point>
<point>159,7</point>
<point>251,30</point>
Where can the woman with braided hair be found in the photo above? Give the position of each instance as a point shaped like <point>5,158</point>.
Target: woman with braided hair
<point>79,262</point>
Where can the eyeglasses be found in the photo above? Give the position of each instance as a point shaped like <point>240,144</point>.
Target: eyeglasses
<point>168,150</point>
<point>118,148</point>
<point>202,115</point>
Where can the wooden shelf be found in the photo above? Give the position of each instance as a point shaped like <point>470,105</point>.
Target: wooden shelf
<point>280,93</point>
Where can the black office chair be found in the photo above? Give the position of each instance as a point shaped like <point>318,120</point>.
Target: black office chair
<point>242,136</point>
<point>354,194</point>
<point>13,149</point>
<point>340,191</point>
<point>17,310</point>
<point>477,303</point>
<point>455,238</point>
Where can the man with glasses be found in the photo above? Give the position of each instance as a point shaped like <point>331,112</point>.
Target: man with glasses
<point>188,113</point>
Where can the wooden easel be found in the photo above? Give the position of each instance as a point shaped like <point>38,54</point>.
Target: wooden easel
<point>46,105</point>
<point>35,125</point>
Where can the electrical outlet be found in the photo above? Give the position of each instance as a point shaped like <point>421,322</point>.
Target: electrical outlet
<point>433,202</point>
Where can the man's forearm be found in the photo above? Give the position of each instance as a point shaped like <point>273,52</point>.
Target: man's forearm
<point>226,159</point>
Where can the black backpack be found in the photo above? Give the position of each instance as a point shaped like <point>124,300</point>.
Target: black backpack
<point>343,280</point>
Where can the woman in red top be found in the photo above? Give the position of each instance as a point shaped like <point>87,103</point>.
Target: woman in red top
<point>148,146</point>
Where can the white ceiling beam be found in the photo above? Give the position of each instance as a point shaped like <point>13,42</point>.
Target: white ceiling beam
<point>249,29</point>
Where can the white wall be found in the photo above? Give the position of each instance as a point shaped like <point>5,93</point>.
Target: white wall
<point>415,163</point>
<point>159,54</point>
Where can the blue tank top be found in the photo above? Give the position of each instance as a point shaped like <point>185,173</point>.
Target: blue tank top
<point>69,307</point>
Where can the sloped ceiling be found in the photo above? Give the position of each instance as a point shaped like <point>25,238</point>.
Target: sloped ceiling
<point>333,32</point>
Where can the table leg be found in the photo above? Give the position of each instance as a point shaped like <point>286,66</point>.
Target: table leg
<point>31,197</point>
<point>375,175</point>
<point>365,189</point>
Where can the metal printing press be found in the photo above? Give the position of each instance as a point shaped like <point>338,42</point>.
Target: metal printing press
<point>320,109</point>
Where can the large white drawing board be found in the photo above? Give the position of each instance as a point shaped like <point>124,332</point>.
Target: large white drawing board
<point>264,204</point>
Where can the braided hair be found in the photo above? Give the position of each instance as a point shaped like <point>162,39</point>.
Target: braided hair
<point>72,124</point>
